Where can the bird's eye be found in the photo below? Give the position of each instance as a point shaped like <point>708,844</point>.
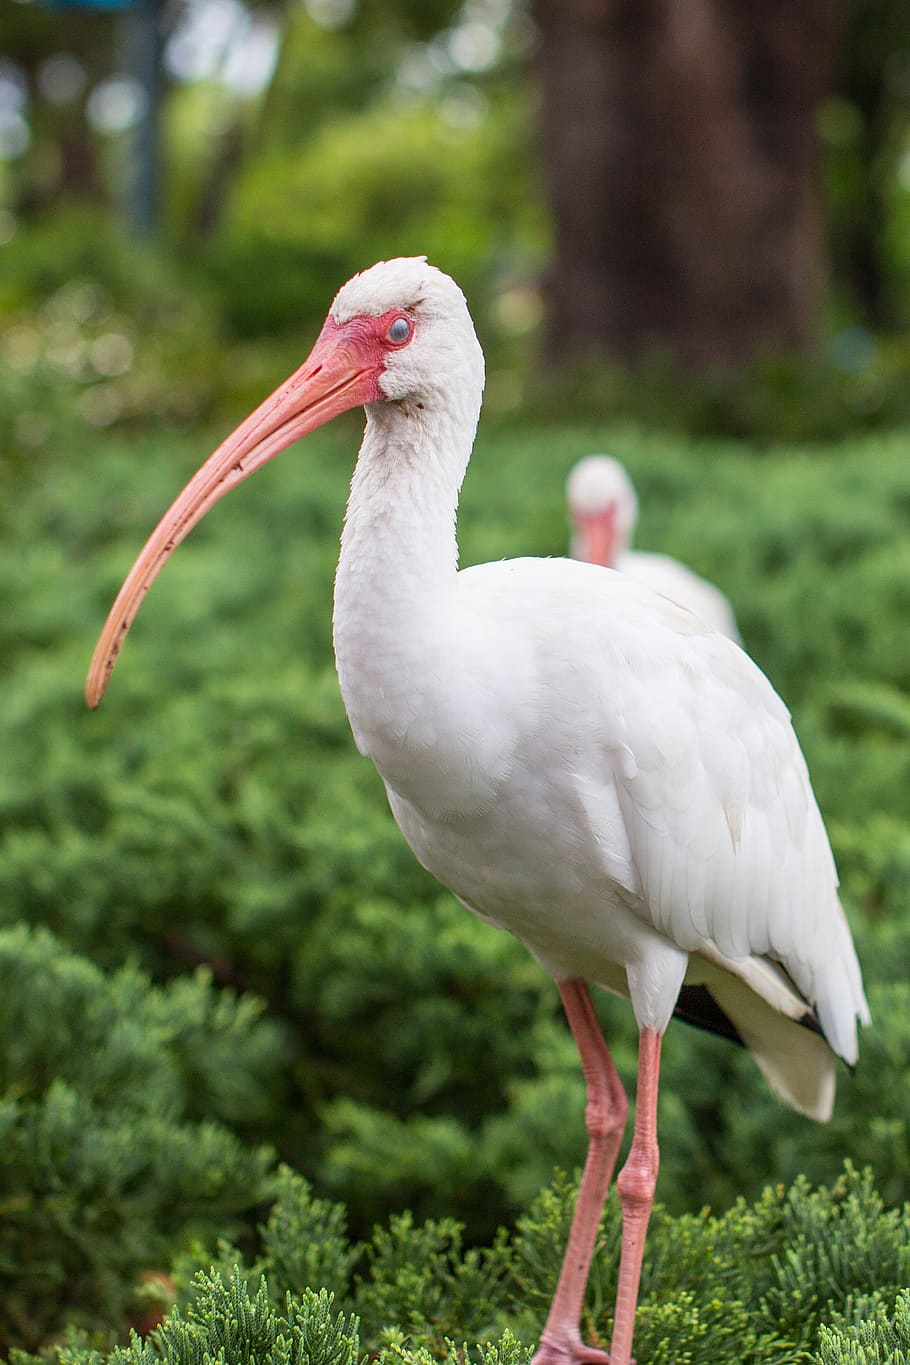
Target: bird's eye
<point>399,331</point>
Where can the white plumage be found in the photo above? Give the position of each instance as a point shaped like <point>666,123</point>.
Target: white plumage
<point>583,761</point>
<point>603,513</point>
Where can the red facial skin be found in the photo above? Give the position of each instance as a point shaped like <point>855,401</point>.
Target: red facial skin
<point>342,371</point>
<point>596,533</point>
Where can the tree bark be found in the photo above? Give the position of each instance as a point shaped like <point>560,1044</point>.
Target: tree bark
<point>680,157</point>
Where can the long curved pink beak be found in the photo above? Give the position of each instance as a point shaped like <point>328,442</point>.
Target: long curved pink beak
<point>596,536</point>
<point>341,372</point>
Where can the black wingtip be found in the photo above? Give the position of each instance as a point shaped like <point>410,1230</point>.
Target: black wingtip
<point>697,1006</point>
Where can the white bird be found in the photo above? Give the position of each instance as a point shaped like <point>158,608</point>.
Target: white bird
<point>603,511</point>
<point>580,760</point>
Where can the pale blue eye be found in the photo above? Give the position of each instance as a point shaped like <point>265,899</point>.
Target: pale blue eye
<point>399,331</point>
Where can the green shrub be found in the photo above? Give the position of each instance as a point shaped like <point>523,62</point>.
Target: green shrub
<point>114,1143</point>
<point>852,383</point>
<point>377,183</point>
<point>228,1324</point>
<point>881,1338</point>
<point>215,809</point>
<point>95,332</point>
<point>797,1276</point>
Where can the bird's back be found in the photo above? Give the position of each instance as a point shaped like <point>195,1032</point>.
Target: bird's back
<point>668,576</point>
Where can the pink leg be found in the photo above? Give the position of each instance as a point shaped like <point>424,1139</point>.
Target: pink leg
<point>636,1195</point>
<point>605,1119</point>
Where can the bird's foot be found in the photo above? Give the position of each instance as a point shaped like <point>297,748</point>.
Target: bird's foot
<point>570,1352</point>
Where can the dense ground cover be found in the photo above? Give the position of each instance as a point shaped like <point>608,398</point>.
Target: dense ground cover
<point>801,1275</point>
<point>215,814</point>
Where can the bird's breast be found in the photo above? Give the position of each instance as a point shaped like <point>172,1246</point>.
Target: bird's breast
<point>535,865</point>
<point>437,724</point>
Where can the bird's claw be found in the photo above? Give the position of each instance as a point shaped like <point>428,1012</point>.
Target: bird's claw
<point>570,1353</point>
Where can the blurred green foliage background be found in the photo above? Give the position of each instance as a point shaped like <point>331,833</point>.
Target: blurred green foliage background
<point>216,952</point>
<point>301,142</point>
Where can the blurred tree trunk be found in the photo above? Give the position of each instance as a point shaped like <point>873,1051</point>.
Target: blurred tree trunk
<point>680,156</point>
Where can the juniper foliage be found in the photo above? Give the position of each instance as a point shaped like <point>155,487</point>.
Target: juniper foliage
<point>881,1337</point>
<point>114,1145</point>
<point>227,819</point>
<point>227,1325</point>
<point>803,1274</point>
<point>408,1056</point>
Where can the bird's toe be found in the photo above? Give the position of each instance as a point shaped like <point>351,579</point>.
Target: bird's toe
<point>570,1353</point>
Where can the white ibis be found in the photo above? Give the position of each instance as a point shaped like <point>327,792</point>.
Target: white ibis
<point>603,510</point>
<point>582,761</point>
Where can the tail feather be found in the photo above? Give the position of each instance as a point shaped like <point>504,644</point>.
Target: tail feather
<point>794,1057</point>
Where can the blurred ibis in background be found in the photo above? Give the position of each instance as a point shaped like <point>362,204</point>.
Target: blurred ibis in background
<point>581,760</point>
<point>603,511</point>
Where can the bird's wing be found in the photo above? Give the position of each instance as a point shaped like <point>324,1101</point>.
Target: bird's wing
<point>678,582</point>
<point>724,828</point>
<point>724,845</point>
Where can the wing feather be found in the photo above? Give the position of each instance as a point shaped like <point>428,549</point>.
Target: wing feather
<point>721,847</point>
<point>722,821</point>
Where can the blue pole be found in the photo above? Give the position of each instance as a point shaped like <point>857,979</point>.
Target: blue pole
<point>144,44</point>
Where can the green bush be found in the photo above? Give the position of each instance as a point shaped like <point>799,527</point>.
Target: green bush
<point>115,1149</point>
<point>853,382</point>
<point>797,1276</point>
<point>96,332</point>
<point>881,1338</point>
<point>215,811</point>
<point>388,181</point>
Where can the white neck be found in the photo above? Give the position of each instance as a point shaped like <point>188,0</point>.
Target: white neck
<point>399,560</point>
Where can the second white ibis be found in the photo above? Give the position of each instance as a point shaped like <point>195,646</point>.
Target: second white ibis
<point>603,511</point>
<point>582,761</point>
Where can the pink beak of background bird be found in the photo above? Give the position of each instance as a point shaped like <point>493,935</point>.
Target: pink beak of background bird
<point>596,534</point>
